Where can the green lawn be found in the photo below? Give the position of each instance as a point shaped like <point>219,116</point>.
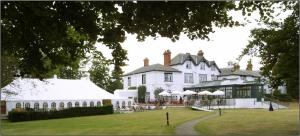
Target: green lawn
<point>253,122</point>
<point>149,122</point>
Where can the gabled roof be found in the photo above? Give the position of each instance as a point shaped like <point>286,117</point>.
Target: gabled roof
<point>154,67</point>
<point>54,89</point>
<point>180,58</point>
<point>230,71</point>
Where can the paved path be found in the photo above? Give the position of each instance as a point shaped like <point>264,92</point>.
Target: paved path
<point>187,128</point>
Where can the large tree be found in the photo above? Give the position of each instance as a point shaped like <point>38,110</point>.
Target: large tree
<point>45,36</point>
<point>278,47</point>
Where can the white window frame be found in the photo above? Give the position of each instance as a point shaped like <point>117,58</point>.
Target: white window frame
<point>202,78</point>
<point>188,78</point>
<point>188,65</point>
<point>129,81</point>
<point>143,78</point>
<point>168,77</point>
<point>202,66</point>
<point>213,77</point>
<point>213,68</point>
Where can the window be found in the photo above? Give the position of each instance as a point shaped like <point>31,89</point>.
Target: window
<point>98,104</point>
<point>69,105</point>
<point>243,77</point>
<point>61,105</point>
<point>91,104</point>
<point>76,104</point>
<point>143,78</point>
<point>27,105</point>
<point>188,78</point>
<point>129,81</point>
<point>202,78</point>
<point>228,93</point>
<point>45,106</point>
<point>213,68</point>
<point>53,105</point>
<point>168,77</point>
<point>202,66</point>
<point>213,77</point>
<point>244,92</point>
<point>129,103</point>
<point>123,105</point>
<point>188,65</point>
<point>84,104</point>
<point>36,106</point>
<point>117,104</point>
<point>18,105</point>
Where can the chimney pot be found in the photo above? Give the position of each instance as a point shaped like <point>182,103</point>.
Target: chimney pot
<point>146,62</point>
<point>249,65</point>
<point>200,53</point>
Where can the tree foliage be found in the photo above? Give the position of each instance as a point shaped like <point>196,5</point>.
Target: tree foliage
<point>278,47</point>
<point>46,36</point>
<point>157,91</point>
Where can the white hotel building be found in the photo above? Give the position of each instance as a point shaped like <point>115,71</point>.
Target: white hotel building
<point>194,72</point>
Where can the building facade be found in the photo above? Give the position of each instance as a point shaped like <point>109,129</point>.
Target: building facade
<point>184,70</point>
<point>243,88</point>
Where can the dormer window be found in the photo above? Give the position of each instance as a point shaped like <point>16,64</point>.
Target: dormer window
<point>213,68</point>
<point>202,66</point>
<point>188,65</point>
<point>129,81</point>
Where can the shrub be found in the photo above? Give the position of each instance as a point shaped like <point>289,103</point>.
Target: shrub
<point>132,87</point>
<point>141,94</point>
<point>22,115</point>
<point>284,98</point>
<point>157,91</point>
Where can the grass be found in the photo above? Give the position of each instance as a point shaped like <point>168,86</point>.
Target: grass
<point>253,122</point>
<point>149,122</point>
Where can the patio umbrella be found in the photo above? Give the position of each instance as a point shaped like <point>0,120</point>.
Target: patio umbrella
<point>176,93</point>
<point>164,93</point>
<point>218,92</point>
<point>189,92</point>
<point>205,93</point>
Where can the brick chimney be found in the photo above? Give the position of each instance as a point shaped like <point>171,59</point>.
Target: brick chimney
<point>146,62</point>
<point>236,66</point>
<point>249,65</point>
<point>167,58</point>
<point>200,53</point>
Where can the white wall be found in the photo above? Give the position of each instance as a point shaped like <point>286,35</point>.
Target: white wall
<point>155,79</point>
<point>195,70</point>
<point>12,104</point>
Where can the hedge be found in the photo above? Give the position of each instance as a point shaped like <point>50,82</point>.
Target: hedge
<point>27,115</point>
<point>141,94</point>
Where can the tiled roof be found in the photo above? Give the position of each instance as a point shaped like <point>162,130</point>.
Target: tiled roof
<point>230,71</point>
<point>181,58</point>
<point>154,67</point>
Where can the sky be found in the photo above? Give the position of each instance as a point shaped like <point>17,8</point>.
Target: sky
<point>225,44</point>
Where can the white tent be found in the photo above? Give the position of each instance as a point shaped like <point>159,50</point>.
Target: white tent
<point>53,89</point>
<point>53,92</point>
<point>218,92</point>
<point>189,92</point>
